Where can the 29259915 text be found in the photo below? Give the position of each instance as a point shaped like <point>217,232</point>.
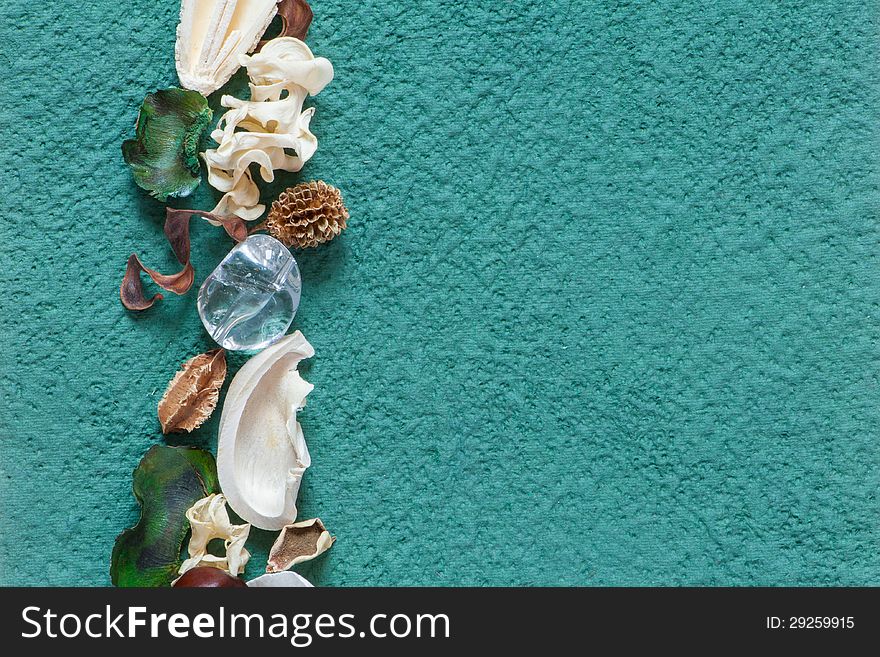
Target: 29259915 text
<point>810,622</point>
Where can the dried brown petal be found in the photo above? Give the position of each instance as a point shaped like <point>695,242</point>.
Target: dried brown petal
<point>297,543</point>
<point>193,392</point>
<point>131,292</point>
<point>296,17</point>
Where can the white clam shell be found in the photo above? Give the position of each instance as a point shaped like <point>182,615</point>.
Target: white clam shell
<point>211,36</point>
<point>262,454</point>
<point>285,579</point>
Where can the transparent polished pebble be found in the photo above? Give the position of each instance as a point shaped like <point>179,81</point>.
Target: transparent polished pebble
<point>249,301</point>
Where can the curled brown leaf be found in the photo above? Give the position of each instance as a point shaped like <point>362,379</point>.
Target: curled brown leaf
<point>192,394</point>
<point>131,292</point>
<point>296,17</point>
<point>297,543</point>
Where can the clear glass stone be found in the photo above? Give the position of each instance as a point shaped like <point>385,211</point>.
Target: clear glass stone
<point>250,299</point>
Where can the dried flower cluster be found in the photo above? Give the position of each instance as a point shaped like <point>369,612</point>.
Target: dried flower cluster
<point>209,520</point>
<point>270,130</point>
<point>307,215</point>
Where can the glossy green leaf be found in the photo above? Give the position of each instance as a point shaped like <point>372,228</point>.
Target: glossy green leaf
<point>164,155</point>
<point>167,482</point>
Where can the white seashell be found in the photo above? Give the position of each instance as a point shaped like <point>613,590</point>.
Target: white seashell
<point>211,36</point>
<point>270,130</point>
<point>262,454</point>
<point>285,579</point>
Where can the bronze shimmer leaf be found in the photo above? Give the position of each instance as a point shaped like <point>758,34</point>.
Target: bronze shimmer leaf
<point>296,17</point>
<point>192,394</point>
<point>297,543</point>
<point>131,292</point>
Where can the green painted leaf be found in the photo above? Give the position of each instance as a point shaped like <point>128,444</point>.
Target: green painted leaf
<point>167,482</point>
<point>164,155</point>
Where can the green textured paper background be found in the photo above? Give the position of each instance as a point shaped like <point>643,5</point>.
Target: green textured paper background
<point>606,312</point>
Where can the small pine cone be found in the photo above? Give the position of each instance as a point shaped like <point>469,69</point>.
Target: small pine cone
<point>307,215</point>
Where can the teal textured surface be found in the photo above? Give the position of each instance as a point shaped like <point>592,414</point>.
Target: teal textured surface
<point>606,312</point>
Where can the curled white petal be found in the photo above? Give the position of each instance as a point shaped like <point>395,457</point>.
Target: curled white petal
<point>262,454</point>
<point>209,520</point>
<point>271,130</point>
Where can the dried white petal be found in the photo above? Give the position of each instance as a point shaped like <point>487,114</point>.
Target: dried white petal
<point>213,34</point>
<point>262,454</point>
<point>209,520</point>
<point>273,580</point>
<point>270,130</point>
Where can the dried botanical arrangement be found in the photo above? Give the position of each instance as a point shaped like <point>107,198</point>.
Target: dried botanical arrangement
<point>246,304</point>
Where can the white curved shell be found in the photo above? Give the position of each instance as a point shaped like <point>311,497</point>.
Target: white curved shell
<point>286,579</point>
<point>262,454</point>
<point>211,36</point>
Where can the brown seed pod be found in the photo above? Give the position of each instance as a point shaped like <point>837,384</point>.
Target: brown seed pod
<point>297,543</point>
<point>192,394</point>
<point>307,215</point>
